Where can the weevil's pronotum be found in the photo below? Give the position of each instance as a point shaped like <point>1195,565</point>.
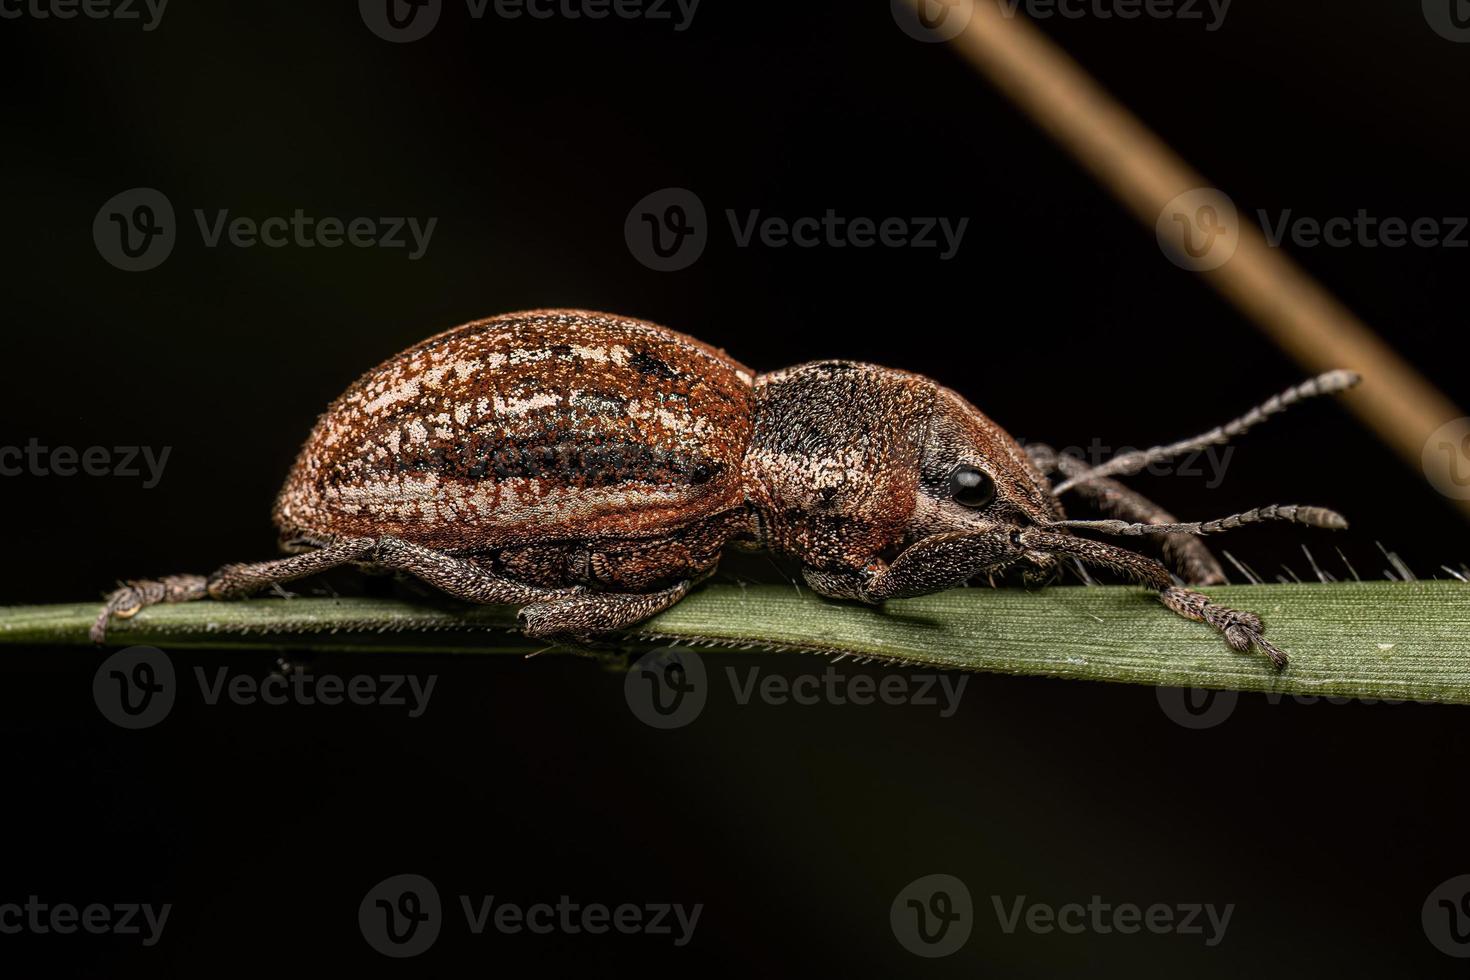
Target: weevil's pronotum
<point>591,468</point>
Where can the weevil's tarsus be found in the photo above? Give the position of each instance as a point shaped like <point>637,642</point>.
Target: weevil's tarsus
<point>1294,513</point>
<point>1242,630</point>
<point>1323,384</point>
<point>131,598</point>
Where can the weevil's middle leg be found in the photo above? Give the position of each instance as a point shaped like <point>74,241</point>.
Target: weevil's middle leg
<point>582,618</point>
<point>1185,553</point>
<point>462,578</point>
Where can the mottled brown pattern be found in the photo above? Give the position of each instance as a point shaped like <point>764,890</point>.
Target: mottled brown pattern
<point>557,423</point>
<point>590,469</point>
<point>833,463</point>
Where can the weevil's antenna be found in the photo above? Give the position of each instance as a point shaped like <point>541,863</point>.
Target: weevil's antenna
<point>1310,516</point>
<point>1322,384</point>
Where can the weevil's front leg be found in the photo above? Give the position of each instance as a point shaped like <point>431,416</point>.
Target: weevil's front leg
<point>229,582</point>
<point>936,563</point>
<point>947,560</point>
<point>1242,630</point>
<point>1185,553</point>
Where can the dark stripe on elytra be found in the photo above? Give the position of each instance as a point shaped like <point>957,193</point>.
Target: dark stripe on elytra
<point>645,363</point>
<point>574,463</point>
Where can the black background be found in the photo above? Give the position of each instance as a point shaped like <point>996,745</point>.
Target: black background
<point>530,140</point>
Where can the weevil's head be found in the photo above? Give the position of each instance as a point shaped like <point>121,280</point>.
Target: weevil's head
<point>973,475</point>
<point>852,462</point>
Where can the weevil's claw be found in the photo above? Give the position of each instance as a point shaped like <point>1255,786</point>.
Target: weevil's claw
<point>1277,655</point>
<point>132,598</point>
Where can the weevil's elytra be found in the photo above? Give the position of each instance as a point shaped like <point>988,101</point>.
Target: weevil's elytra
<point>517,429</point>
<point>592,468</point>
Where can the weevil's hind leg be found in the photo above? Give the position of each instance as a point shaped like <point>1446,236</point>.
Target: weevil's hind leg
<point>462,578</point>
<point>1185,553</point>
<point>229,582</point>
<point>579,620</point>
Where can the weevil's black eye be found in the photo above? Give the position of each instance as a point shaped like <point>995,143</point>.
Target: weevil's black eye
<point>971,487</point>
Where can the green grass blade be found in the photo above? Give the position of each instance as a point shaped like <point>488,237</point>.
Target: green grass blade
<point>1406,640</point>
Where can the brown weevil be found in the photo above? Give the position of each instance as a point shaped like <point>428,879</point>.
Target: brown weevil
<point>591,468</point>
